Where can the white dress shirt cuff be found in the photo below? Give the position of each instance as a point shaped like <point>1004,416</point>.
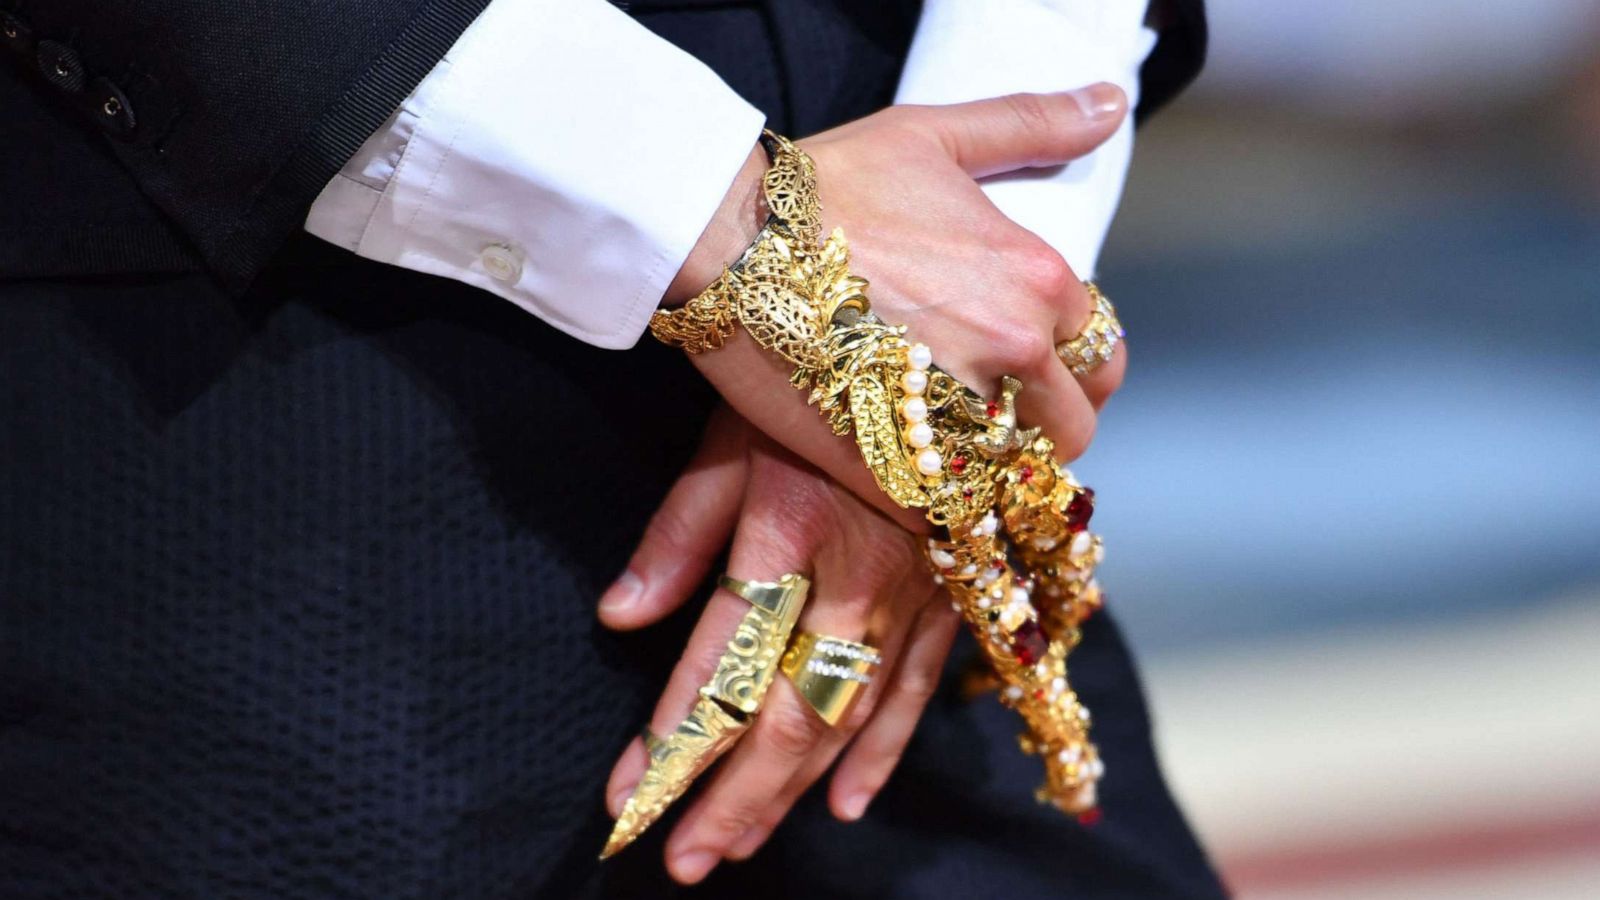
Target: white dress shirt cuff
<point>561,156</point>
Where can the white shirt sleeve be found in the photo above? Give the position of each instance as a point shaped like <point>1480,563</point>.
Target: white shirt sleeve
<point>966,50</point>
<point>567,159</point>
<point>560,155</point>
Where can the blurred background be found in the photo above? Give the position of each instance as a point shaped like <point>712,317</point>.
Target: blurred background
<point>1352,485</point>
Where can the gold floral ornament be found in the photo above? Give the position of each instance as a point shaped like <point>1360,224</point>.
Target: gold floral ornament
<point>1014,552</point>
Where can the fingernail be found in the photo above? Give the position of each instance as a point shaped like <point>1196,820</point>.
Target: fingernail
<point>623,593</point>
<point>1099,101</point>
<point>692,866</point>
<point>855,806</point>
<point>748,843</point>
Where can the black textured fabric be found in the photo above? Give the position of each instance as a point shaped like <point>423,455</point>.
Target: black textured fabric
<point>297,586</point>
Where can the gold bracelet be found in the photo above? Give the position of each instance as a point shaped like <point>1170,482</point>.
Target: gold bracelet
<point>931,443</point>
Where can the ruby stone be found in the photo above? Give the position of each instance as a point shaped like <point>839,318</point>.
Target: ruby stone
<point>958,464</point>
<point>992,410</point>
<point>1028,643</point>
<point>1089,818</point>
<point>1080,510</point>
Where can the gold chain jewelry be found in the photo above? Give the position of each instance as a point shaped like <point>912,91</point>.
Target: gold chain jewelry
<point>1097,342</point>
<point>1016,556</point>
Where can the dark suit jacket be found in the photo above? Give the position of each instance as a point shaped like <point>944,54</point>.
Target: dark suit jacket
<point>297,580</point>
<point>160,134</point>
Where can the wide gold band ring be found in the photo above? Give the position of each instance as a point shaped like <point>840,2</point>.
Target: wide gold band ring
<point>829,672</point>
<point>1097,342</point>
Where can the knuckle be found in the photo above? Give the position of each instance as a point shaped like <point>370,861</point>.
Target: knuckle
<point>919,684</point>
<point>734,819</point>
<point>792,730</point>
<point>1031,113</point>
<point>1075,442</point>
<point>1044,272</point>
<point>1024,350</point>
<point>669,532</point>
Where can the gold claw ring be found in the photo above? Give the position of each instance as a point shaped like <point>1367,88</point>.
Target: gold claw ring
<point>1097,342</point>
<point>725,708</point>
<point>829,672</point>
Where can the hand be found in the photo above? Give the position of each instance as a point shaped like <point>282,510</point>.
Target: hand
<point>987,295</point>
<point>869,584</point>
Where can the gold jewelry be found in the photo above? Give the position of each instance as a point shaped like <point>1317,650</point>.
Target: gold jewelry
<point>725,709</point>
<point>829,672</point>
<point>931,443</point>
<point>651,740</point>
<point>1097,342</point>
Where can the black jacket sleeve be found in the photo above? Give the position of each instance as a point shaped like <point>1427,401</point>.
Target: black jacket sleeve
<point>1179,53</point>
<point>232,114</point>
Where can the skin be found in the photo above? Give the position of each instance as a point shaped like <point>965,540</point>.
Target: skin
<point>990,298</point>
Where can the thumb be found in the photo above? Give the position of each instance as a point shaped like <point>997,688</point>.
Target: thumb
<point>1019,131</point>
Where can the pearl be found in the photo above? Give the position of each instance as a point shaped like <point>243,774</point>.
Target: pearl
<point>944,559</point>
<point>1082,543</point>
<point>983,602</point>
<point>920,435</point>
<point>914,382</point>
<point>920,357</point>
<point>929,462</point>
<point>915,409</point>
<point>971,569</point>
<point>1058,685</point>
<point>990,524</point>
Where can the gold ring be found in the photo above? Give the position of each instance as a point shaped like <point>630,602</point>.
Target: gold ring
<point>725,709</point>
<point>829,672</point>
<point>1097,342</point>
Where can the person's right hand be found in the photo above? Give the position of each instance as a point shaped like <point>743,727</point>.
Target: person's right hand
<point>988,296</point>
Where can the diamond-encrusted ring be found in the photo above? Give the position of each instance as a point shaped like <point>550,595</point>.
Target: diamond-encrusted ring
<point>1097,342</point>
<point>829,672</point>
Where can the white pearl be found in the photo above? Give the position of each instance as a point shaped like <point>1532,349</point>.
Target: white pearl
<point>971,569</point>
<point>920,435</point>
<point>1058,685</point>
<point>1014,692</point>
<point>1099,553</point>
<point>990,524</point>
<point>914,382</point>
<point>1082,543</point>
<point>944,559</point>
<point>915,409</point>
<point>1018,595</point>
<point>983,602</point>
<point>920,357</point>
<point>929,462</point>
<point>1097,769</point>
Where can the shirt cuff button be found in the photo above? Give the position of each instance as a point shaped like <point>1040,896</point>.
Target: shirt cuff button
<point>502,263</point>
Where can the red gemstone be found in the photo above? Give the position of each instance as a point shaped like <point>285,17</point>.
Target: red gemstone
<point>966,494</point>
<point>992,410</point>
<point>1089,818</point>
<point>958,464</point>
<point>1080,510</point>
<point>1028,643</point>
<point>1026,474</point>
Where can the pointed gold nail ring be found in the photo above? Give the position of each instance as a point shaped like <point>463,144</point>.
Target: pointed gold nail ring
<point>726,707</point>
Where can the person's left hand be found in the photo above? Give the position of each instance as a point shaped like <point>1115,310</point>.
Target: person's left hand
<point>869,584</point>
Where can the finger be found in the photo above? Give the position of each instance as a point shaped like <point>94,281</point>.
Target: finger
<point>1053,400</point>
<point>782,539</point>
<point>1104,380</point>
<point>1019,131</point>
<point>864,560</point>
<point>877,749</point>
<point>832,745</point>
<point>686,534</point>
